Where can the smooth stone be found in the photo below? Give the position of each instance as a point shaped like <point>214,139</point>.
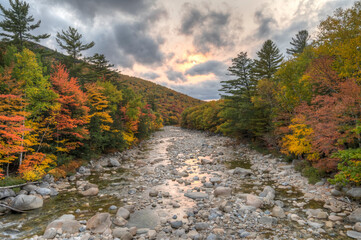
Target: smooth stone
<point>93,191</point>
<point>113,162</point>
<point>278,212</point>
<point>152,234</point>
<point>5,193</point>
<point>176,224</point>
<point>119,221</point>
<point>354,234</point>
<point>252,200</point>
<point>153,193</point>
<point>354,193</point>
<point>66,224</point>
<point>222,192</point>
<point>122,233</point>
<point>27,202</point>
<point>122,212</point>
<point>43,191</point>
<point>357,227</point>
<point>355,216</point>
<point>99,223</point>
<point>196,195</point>
<point>50,233</point>
<point>314,224</point>
<point>144,219</point>
<point>201,226</point>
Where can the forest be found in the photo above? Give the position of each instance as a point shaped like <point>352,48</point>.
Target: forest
<point>57,111</point>
<point>305,105</point>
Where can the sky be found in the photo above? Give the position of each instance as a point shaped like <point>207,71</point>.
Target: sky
<point>184,45</point>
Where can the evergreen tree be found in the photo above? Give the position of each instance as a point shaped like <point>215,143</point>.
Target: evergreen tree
<point>269,60</point>
<point>17,23</point>
<point>101,68</point>
<point>70,41</point>
<point>299,43</point>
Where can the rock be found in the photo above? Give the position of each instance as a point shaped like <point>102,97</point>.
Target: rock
<point>153,193</point>
<point>335,193</point>
<point>315,225</point>
<point>355,216</point>
<point>268,195</point>
<point>222,192</point>
<point>5,193</point>
<point>243,172</point>
<point>212,237</point>
<point>99,223</point>
<point>119,221</point>
<point>252,200</point>
<point>317,213</point>
<point>90,192</point>
<point>278,212</point>
<point>215,180</point>
<point>113,162</point>
<point>144,219</point>
<point>354,234</point>
<point>357,227</point>
<point>196,195</point>
<point>27,202</point>
<point>335,218</point>
<point>152,234</point>
<point>29,187</point>
<point>122,212</point>
<point>267,220</point>
<point>354,193</point>
<point>176,224</point>
<point>122,233</point>
<point>66,223</point>
<point>50,233</point>
<point>201,226</point>
<point>43,191</point>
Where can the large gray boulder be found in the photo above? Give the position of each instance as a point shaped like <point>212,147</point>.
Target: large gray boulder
<point>354,193</point>
<point>355,216</point>
<point>27,202</point>
<point>5,193</point>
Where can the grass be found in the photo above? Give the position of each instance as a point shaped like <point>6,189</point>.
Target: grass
<point>10,181</point>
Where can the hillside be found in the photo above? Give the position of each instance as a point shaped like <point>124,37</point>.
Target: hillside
<point>169,103</point>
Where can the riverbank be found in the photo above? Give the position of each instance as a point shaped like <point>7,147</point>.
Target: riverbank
<point>190,185</point>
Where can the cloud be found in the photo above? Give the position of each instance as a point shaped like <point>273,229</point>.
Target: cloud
<point>206,90</point>
<point>266,23</point>
<point>175,76</point>
<point>208,29</point>
<point>216,67</point>
<point>150,75</point>
<point>93,8</point>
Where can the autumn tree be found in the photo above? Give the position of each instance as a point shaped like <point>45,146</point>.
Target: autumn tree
<point>72,117</point>
<point>17,23</point>
<point>299,42</point>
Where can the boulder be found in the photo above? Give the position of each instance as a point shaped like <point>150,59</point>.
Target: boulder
<point>122,233</point>
<point>5,193</point>
<point>196,195</point>
<point>99,223</point>
<point>222,192</point>
<point>66,223</point>
<point>27,202</point>
<point>278,212</point>
<point>355,216</point>
<point>317,213</point>
<point>43,191</point>
<point>113,162</point>
<point>29,187</point>
<point>354,193</point>
<point>122,212</point>
<point>50,233</point>
<point>252,200</point>
<point>93,191</point>
<point>357,227</point>
<point>119,221</point>
<point>354,234</point>
<point>242,172</point>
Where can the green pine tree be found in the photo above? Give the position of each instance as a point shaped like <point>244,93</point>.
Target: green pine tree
<point>269,60</point>
<point>17,24</point>
<point>299,43</point>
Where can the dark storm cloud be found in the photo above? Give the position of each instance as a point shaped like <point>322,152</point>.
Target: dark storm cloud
<point>134,39</point>
<point>216,67</point>
<point>175,76</point>
<point>150,75</point>
<point>92,8</point>
<point>265,24</point>
<point>208,29</point>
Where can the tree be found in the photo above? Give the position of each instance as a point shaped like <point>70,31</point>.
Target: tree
<point>269,60</point>
<point>73,114</point>
<point>17,23</point>
<point>70,41</point>
<point>101,69</point>
<point>299,43</point>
